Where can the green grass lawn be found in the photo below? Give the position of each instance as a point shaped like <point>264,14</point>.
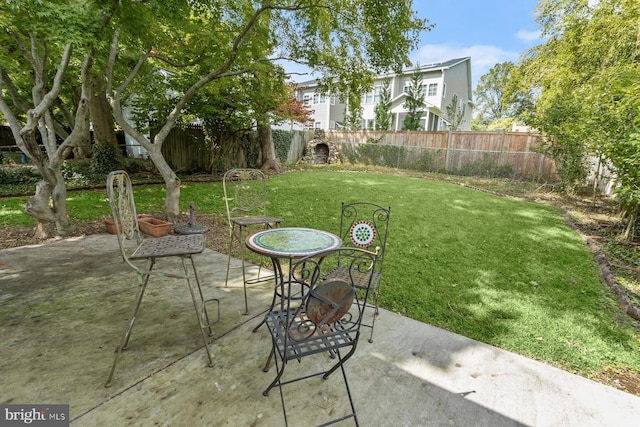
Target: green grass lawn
<point>505,272</point>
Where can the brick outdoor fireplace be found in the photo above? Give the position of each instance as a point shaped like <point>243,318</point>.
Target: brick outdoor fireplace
<point>320,151</point>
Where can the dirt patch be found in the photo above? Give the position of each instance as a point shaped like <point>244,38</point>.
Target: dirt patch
<point>620,379</point>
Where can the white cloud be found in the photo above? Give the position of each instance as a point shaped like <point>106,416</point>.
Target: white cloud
<point>528,36</point>
<point>483,57</point>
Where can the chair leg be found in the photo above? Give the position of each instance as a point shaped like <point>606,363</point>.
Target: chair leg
<point>267,364</point>
<point>226,280</point>
<point>376,314</point>
<point>341,361</point>
<point>244,275</point>
<point>280,369</point>
<point>143,280</point>
<point>199,313</point>
<point>277,382</point>
<point>203,314</point>
<point>233,236</point>
<point>353,408</point>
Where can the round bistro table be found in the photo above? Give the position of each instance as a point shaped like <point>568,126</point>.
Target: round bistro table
<point>289,243</point>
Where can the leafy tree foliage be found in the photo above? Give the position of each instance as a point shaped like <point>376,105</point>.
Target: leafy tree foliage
<point>384,118</point>
<point>586,77</point>
<point>454,114</point>
<point>157,57</point>
<point>500,95</point>
<point>294,109</point>
<point>45,95</point>
<point>414,102</point>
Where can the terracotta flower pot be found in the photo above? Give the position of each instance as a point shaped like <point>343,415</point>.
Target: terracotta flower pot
<point>110,225</point>
<point>153,227</point>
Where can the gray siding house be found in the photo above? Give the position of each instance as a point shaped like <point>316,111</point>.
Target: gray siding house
<point>442,82</point>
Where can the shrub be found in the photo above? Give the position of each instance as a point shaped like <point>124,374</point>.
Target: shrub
<point>105,159</point>
<point>11,175</point>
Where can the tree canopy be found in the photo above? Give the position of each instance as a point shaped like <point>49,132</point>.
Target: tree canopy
<point>157,57</point>
<point>500,95</point>
<point>586,78</point>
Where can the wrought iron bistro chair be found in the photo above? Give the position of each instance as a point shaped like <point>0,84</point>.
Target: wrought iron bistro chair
<point>245,195</point>
<point>325,321</point>
<point>123,211</point>
<point>364,225</point>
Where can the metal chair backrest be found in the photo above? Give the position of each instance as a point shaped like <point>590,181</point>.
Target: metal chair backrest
<point>245,193</point>
<point>123,211</point>
<point>331,302</point>
<point>365,225</point>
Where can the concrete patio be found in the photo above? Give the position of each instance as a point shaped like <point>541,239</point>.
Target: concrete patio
<point>63,307</point>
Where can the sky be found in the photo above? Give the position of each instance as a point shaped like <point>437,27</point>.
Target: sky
<point>489,31</point>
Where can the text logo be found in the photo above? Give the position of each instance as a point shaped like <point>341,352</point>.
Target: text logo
<point>34,415</point>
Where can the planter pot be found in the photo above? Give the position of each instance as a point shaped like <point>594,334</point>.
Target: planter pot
<point>110,226</point>
<point>153,227</point>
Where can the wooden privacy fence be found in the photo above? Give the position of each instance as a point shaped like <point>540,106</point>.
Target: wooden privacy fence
<point>496,154</point>
<point>185,149</point>
<point>493,154</point>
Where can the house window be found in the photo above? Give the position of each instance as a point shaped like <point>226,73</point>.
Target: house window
<point>407,89</point>
<point>433,89</point>
<point>318,98</point>
<point>444,90</point>
<point>376,94</point>
<point>423,91</point>
<point>367,98</point>
<point>307,100</point>
<point>318,125</point>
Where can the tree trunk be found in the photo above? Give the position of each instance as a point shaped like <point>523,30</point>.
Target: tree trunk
<point>102,117</point>
<point>49,203</point>
<point>269,159</point>
<point>171,181</point>
<point>49,207</point>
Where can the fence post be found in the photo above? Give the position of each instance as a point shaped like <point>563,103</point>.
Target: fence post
<point>447,156</point>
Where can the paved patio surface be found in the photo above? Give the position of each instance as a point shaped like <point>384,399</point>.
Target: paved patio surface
<point>63,307</point>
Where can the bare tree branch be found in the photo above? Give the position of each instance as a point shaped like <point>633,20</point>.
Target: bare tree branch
<point>34,114</point>
<point>17,100</point>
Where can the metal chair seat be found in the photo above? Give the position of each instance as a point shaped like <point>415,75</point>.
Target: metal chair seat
<point>168,246</point>
<point>246,221</point>
<point>292,344</point>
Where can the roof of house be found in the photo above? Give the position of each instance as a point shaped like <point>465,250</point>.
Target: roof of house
<point>434,66</point>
